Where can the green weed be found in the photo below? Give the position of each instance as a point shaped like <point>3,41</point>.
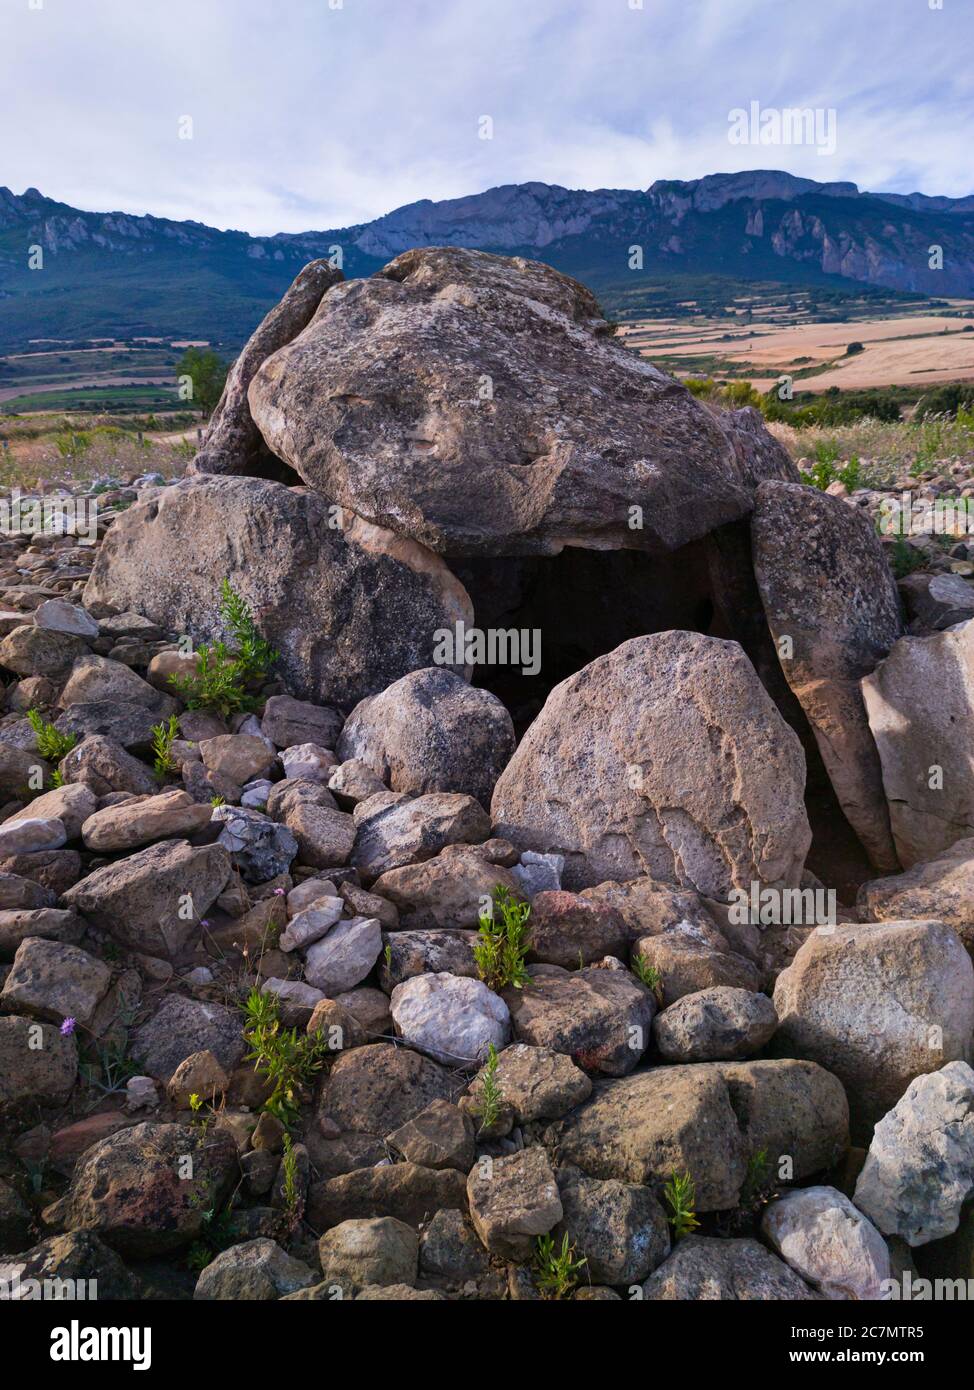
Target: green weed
<point>556,1270</point>
<point>52,745</point>
<point>163,736</point>
<point>680,1195</point>
<point>285,1058</point>
<point>502,945</point>
<point>223,672</point>
<point>489,1103</point>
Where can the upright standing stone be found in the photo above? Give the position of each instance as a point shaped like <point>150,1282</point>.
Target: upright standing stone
<point>831,603</point>
<point>920,703</point>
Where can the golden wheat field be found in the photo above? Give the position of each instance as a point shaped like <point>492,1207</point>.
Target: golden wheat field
<point>898,350</point>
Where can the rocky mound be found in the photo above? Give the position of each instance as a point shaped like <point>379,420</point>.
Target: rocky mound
<point>326,973</point>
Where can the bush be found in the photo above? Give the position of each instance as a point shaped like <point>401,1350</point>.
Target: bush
<point>905,558</point>
<point>832,408</point>
<point>703,387</point>
<point>945,400</point>
<point>207,372</point>
<point>741,393</point>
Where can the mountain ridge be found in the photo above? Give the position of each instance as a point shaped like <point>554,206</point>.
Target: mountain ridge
<point>122,274</point>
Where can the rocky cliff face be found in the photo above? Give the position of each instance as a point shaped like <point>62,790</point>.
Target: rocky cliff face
<point>758,224</point>
<point>705,223</point>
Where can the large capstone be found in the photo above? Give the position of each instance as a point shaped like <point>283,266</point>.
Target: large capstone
<point>480,404</point>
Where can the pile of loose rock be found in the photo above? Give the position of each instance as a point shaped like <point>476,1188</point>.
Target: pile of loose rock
<point>332,851</point>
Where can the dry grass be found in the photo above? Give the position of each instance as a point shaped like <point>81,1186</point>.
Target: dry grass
<point>888,452</point>
<point>41,452</point>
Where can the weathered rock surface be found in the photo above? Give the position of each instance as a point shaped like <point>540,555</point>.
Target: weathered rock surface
<point>97,679</point>
<point>311,925</point>
<point>566,929</point>
<point>451,1018</point>
<point>343,958</point>
<point>536,1083</point>
<point>450,1249</point>
<point>142,901</point>
<point>920,703</point>
<point>649,908</point>
<point>170,814</point>
<point>130,1188</point>
<point>349,610</point>
<point>441,1136</point>
<point>404,437</point>
<point>51,980</point>
<point>287,721</point>
<point>51,923</point>
<point>240,758</point>
<point>448,890</point>
<point>600,1018</point>
<point>706,1268</point>
<point>431,732</point>
<point>827,588</point>
<point>619,1228</point>
<point>378,1088</point>
<point>36,1062</point>
<point>643,1128</point>
<point>791,1109</point>
<point>71,805</point>
<point>937,601</point>
<point>714,1025</point>
<point>688,965</point>
<point>59,616</point>
<point>821,1235</point>
<point>324,837</point>
<point>877,1005</point>
<point>512,1201</point>
<point>403,1190</point>
<point>19,894</point>
<point>17,770</point>
<point>105,766</point>
<point>409,831</point>
<point>664,758</point>
<point>55,869</point>
<point>919,1170</point>
<point>40,651</point>
<point>233,443</point>
<point>182,1027</point>
<point>31,835</point>
<point>123,721</point>
<point>377,1250</point>
<point>410,953</point>
<point>256,1271</point>
<point>79,1255</point>
<point>261,848</point>
<point>941,888</point>
<point>706,1120</point>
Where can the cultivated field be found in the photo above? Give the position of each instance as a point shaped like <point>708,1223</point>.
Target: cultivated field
<point>913,349</point>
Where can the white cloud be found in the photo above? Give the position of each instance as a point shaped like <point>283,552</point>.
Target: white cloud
<point>311,117</point>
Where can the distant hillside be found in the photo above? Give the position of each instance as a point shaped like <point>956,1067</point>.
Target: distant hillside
<point>115,275</point>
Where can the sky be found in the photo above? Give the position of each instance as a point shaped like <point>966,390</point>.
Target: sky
<point>316,114</point>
